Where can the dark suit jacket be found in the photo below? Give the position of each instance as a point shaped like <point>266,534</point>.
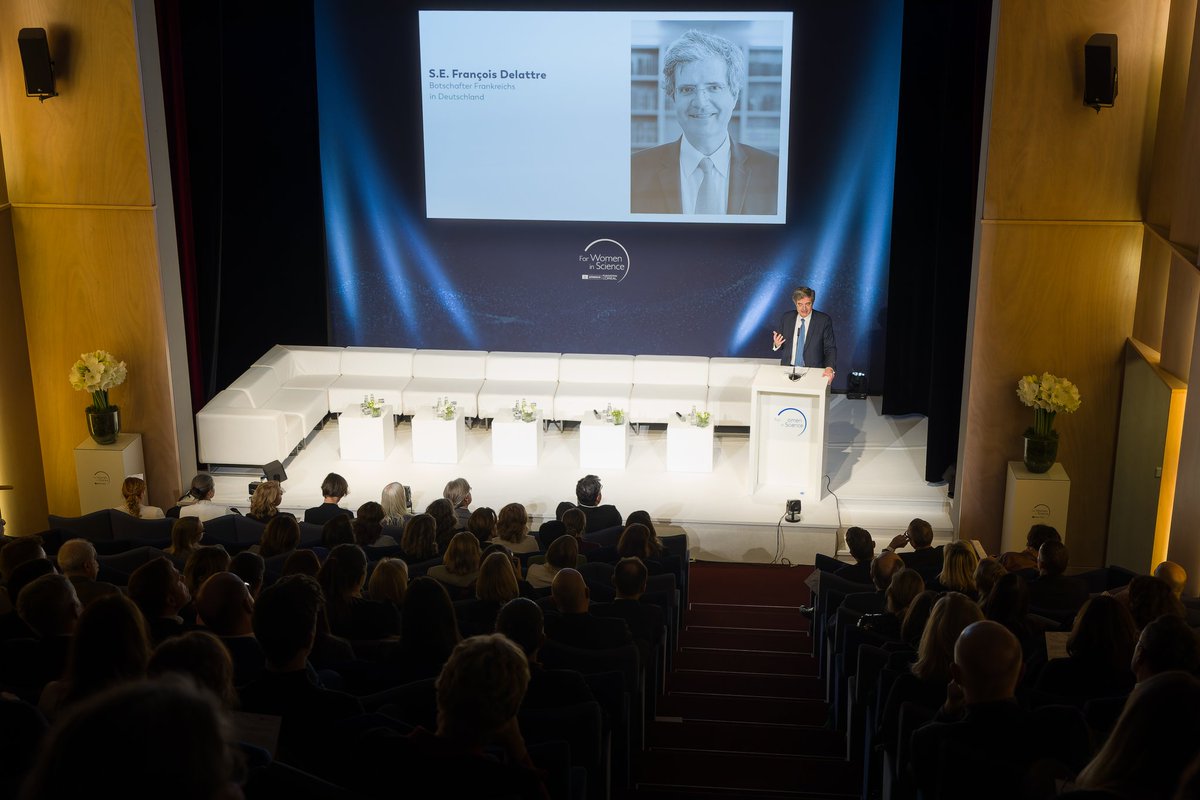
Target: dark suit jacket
<point>587,632</point>
<point>859,572</point>
<point>654,180</point>
<point>1057,593</point>
<point>645,620</point>
<point>598,517</point>
<point>319,515</point>
<point>927,561</point>
<point>820,349</point>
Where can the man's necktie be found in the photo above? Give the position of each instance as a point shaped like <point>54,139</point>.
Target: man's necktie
<point>800,344</point>
<point>708,199</point>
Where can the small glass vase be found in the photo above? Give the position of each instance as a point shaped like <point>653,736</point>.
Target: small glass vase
<point>104,424</point>
<point>1040,452</point>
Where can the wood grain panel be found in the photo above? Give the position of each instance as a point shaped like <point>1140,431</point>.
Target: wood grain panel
<point>1179,318</point>
<point>24,507</point>
<point>1151,302</point>
<point>1177,63</point>
<point>88,145</point>
<point>1059,299</point>
<point>95,287</point>
<point>1049,156</point>
<point>1185,211</point>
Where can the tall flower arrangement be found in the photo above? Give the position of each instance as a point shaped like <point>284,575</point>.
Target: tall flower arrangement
<point>1047,395</point>
<point>96,373</point>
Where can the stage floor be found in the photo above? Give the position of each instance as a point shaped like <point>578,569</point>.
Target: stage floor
<point>874,463</point>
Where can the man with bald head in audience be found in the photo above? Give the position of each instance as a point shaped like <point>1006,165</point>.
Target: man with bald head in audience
<point>77,560</point>
<point>225,607</point>
<point>574,625</point>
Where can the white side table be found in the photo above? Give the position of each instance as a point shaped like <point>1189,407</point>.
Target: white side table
<point>689,447</point>
<point>602,445</point>
<point>436,440</point>
<point>100,470</point>
<point>365,438</point>
<point>516,443</point>
<point>1032,498</point>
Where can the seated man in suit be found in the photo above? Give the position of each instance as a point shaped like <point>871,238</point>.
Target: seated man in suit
<point>160,592</point>
<point>1027,559</point>
<point>645,620</point>
<point>1052,589</point>
<point>589,497</point>
<point>862,548</point>
<point>704,171</point>
<point>225,606</point>
<point>883,567</point>
<point>925,558</point>
<point>77,560</point>
<point>522,621</point>
<point>573,625</point>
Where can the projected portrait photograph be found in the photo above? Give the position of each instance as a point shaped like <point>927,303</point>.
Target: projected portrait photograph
<point>706,105</point>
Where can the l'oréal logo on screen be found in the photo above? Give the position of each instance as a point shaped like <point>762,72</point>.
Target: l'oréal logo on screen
<point>604,260</point>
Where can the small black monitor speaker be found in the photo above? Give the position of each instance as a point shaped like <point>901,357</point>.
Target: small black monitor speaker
<point>274,472</point>
<point>1100,71</point>
<point>35,60</point>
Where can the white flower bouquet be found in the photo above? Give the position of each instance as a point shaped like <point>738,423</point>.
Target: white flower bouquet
<point>1047,395</point>
<point>96,373</point>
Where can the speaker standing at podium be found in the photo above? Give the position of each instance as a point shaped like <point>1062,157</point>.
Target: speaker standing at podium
<point>805,336</point>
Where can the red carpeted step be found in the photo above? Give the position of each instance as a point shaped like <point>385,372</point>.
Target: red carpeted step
<point>748,584</point>
<point>762,710</point>
<point>785,686</point>
<point>740,738</point>
<point>785,775</point>
<point>742,662</point>
<point>748,617</point>
<point>756,641</point>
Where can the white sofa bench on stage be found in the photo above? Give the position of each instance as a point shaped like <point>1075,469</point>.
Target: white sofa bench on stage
<point>512,377</point>
<point>454,374</point>
<point>666,385</point>
<point>381,371</point>
<point>591,382</point>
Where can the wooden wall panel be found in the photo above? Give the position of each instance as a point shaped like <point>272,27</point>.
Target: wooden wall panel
<point>24,508</point>
<point>1152,290</point>
<point>1177,60</point>
<point>87,146</point>
<point>89,280</point>
<point>1179,318</point>
<point>1184,547</point>
<point>1053,298</point>
<point>1050,157</point>
<point>1185,210</point>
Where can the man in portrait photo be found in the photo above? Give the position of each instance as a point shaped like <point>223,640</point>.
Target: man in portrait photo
<point>704,171</point>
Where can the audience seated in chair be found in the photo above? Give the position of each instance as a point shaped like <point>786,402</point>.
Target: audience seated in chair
<point>428,631</point>
<point>444,520</point>
<point>203,563</point>
<point>333,489</point>
<point>394,502</point>
<point>482,523</point>
<point>186,534</point>
<point>643,518</point>
<point>862,550</point>
<point>883,568</point>
<point>1027,559</point>
<point>160,592</point>
<point>1167,644</point>
<point>958,570</point>
<point>903,588</point>
<point>512,529</point>
<point>368,527</point>
<point>574,523</point>
<point>200,656</point>
<point>497,585</point>
<point>264,503</point>
<point>588,499</point>
<point>1150,598</point>
<point>1053,590</point>
<point>351,615</point>
<point>1008,604</point>
<point>645,620</point>
<point>281,535</point>
<point>522,621</point>
<point>419,541</point>
<point>574,625</point>
<point>49,607</point>
<point>925,558</point>
<point>389,582</point>
<point>225,607</point>
<point>563,553</point>
<point>77,560</point>
<point>198,501</point>
<point>460,563</point>
<point>16,552</point>
<point>133,490</point>
<point>11,624</point>
<point>338,529</point>
<point>1100,650</point>
<point>251,568</point>
<point>458,493</point>
<point>987,572</point>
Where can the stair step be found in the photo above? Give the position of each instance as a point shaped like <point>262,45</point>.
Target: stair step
<point>792,687</point>
<point>743,738</point>
<point>746,617</point>
<point>783,776</point>
<point>722,660</point>
<point>754,641</point>
<point>758,710</point>
<point>749,584</point>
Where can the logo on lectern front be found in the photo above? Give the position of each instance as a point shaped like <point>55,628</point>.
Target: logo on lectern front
<point>100,478</point>
<point>1040,511</point>
<point>792,420</point>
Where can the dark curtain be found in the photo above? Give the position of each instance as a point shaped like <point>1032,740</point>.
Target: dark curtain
<point>943,75</point>
<point>241,91</point>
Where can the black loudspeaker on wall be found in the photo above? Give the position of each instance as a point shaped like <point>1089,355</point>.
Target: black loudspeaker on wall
<point>1100,71</point>
<point>35,60</point>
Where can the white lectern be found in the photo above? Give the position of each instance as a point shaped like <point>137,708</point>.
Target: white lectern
<point>787,430</point>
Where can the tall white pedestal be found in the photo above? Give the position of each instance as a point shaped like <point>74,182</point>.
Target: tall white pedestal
<point>436,440</point>
<point>100,469</point>
<point>1033,499</point>
<point>365,438</point>
<point>689,447</point>
<point>602,445</point>
<point>787,430</point>
<point>516,443</point>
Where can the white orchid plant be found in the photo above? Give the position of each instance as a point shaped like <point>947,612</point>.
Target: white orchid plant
<point>96,373</point>
<point>1047,395</point>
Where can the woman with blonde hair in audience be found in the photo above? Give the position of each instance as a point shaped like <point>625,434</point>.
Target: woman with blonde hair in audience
<point>394,502</point>
<point>563,553</point>
<point>460,563</point>
<point>482,523</point>
<point>264,503</point>
<point>186,534</point>
<point>419,541</point>
<point>389,581</point>
<point>351,615</point>
<point>368,527</point>
<point>134,492</point>
<point>958,570</point>
<point>643,518</point>
<point>512,529</point>
<point>282,535</point>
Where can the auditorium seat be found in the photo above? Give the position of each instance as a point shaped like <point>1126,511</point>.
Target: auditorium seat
<point>512,377</point>
<point>381,371</point>
<point>666,385</point>
<point>590,382</point>
<point>453,374</point>
<point>729,382</point>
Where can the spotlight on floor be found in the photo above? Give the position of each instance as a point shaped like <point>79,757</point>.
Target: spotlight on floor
<point>856,387</point>
<point>793,510</point>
